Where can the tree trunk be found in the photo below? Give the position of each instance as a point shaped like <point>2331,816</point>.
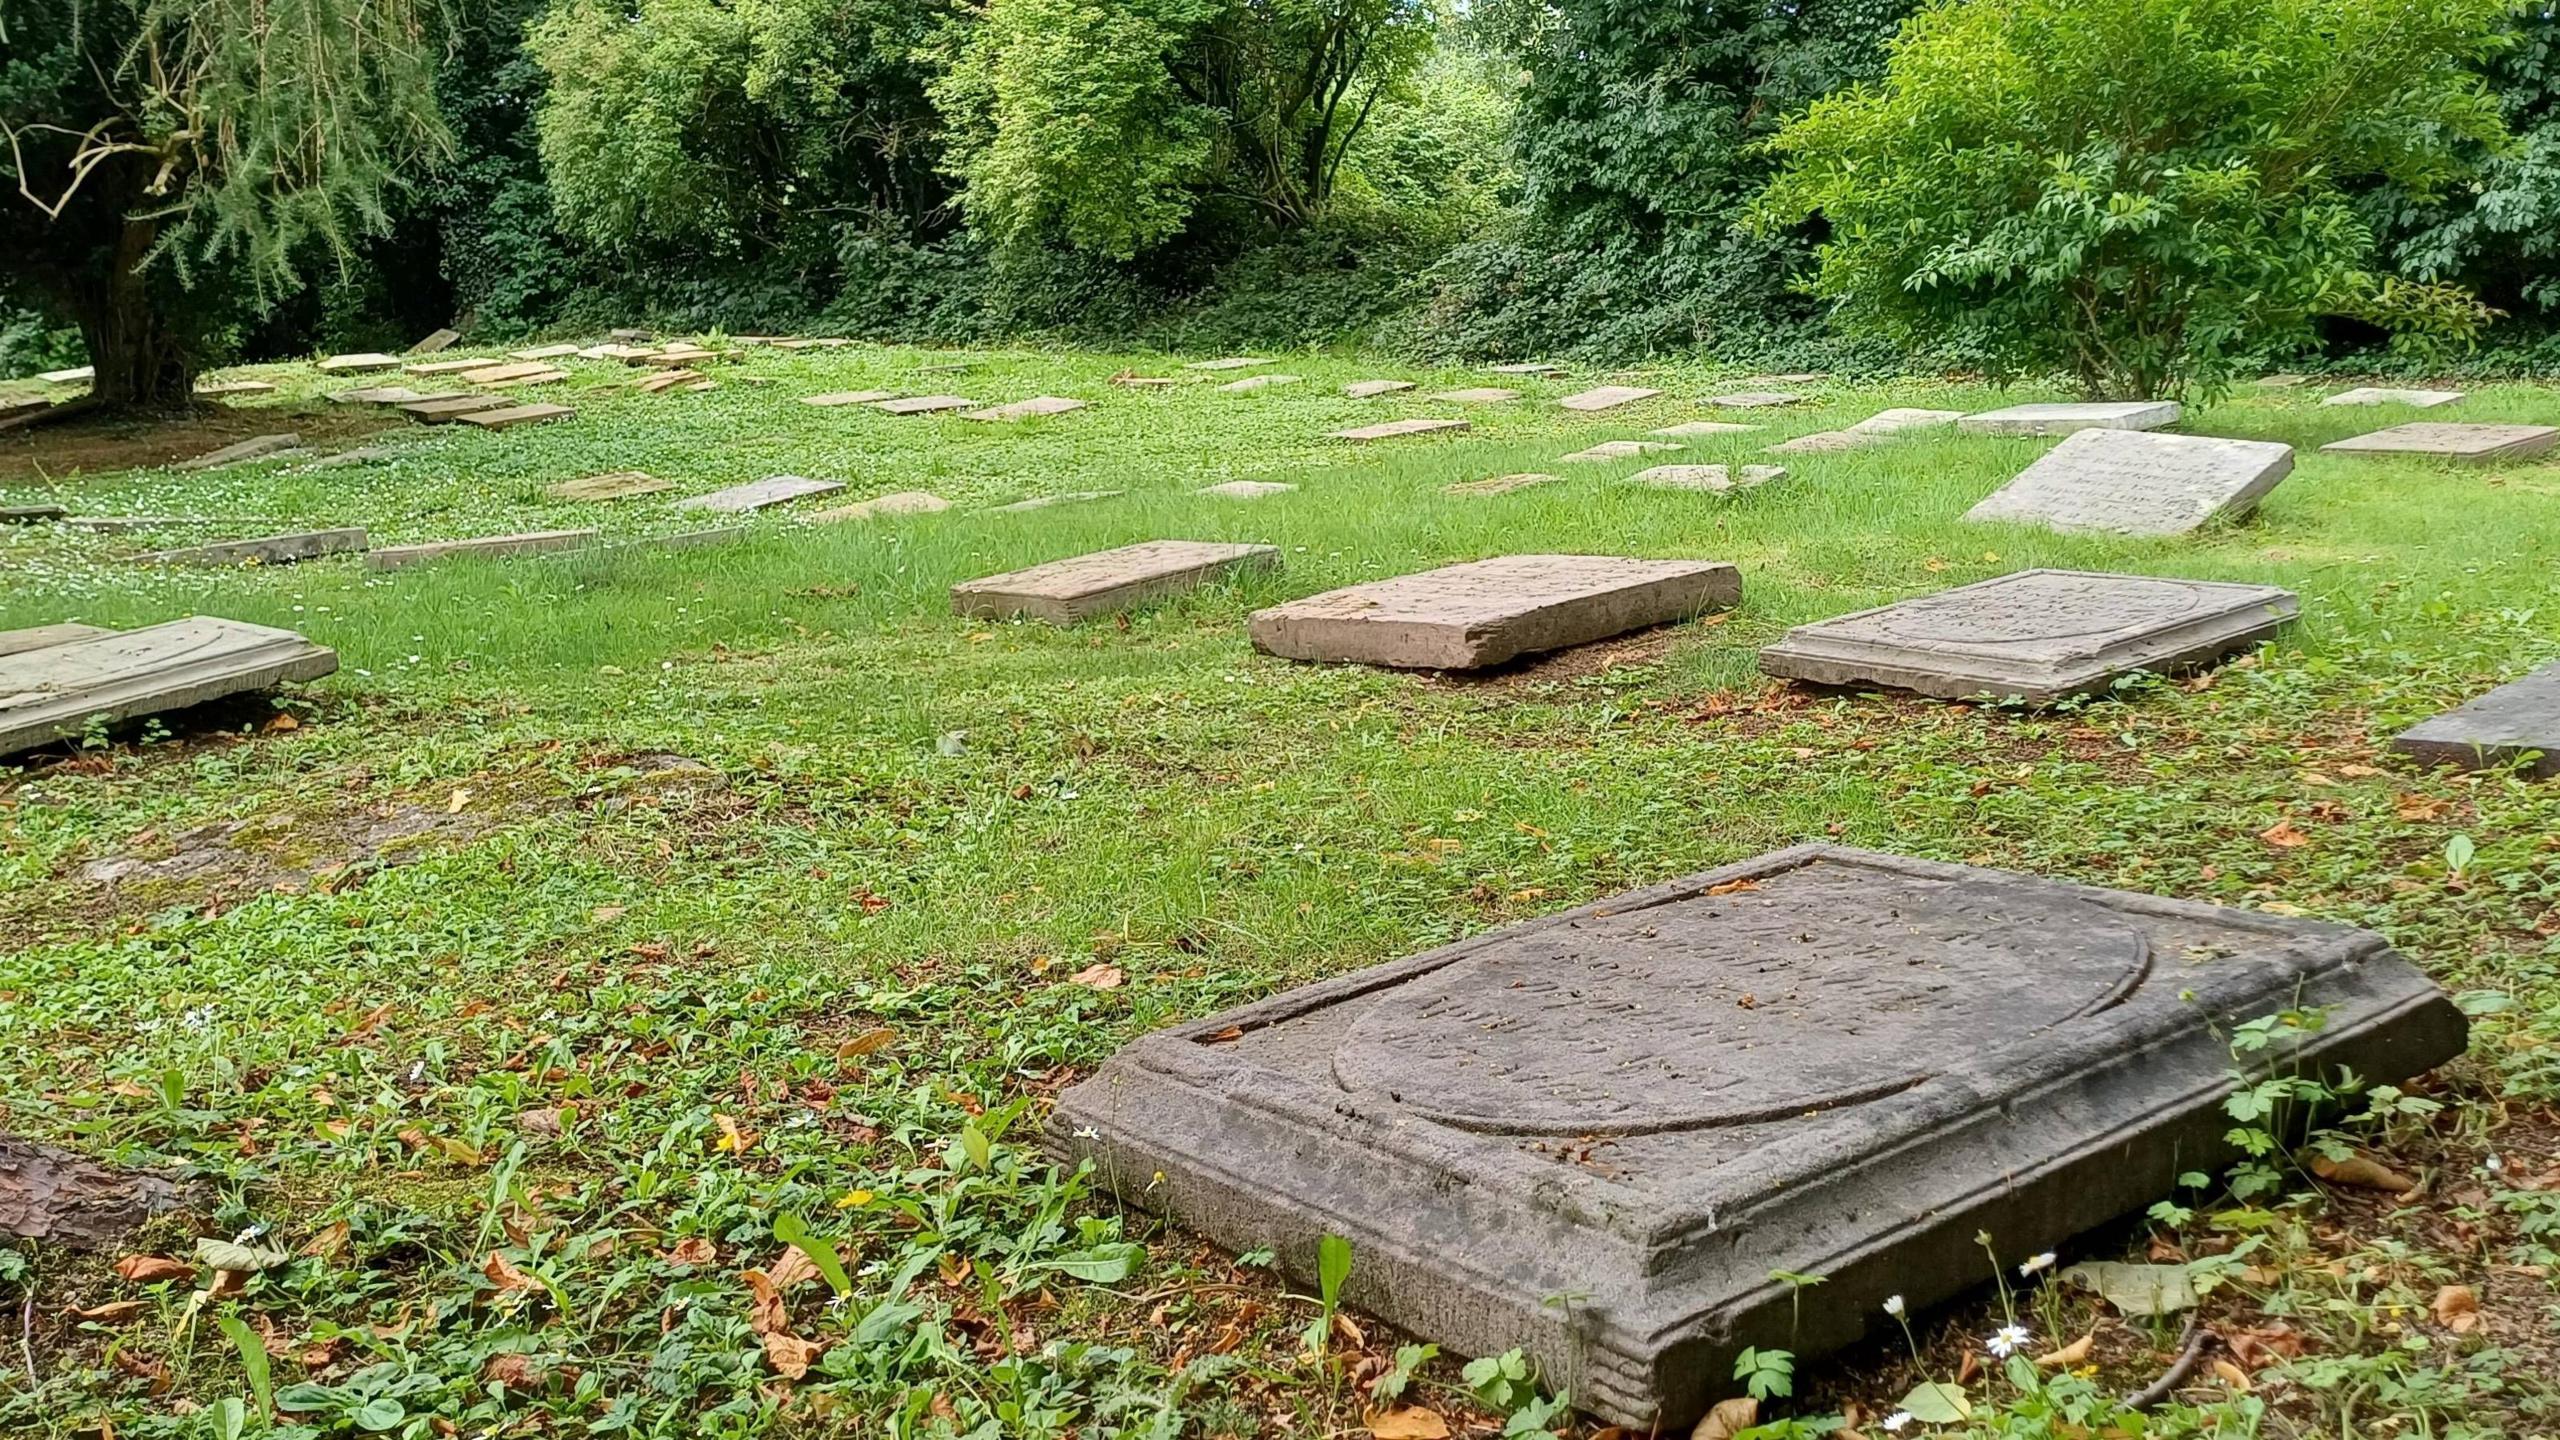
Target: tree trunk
<point>141,363</point>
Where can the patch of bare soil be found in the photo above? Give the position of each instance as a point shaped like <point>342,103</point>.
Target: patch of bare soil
<point>1576,662</point>
<point>46,454</point>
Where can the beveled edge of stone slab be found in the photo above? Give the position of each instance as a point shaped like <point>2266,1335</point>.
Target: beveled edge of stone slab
<point>1455,1232</point>
<point>1671,591</point>
<point>2387,395</point>
<point>265,549</point>
<point>255,657</point>
<point>761,494</point>
<point>2066,417</point>
<point>2520,442</point>
<point>531,542</point>
<point>2495,729</point>
<point>1952,671</point>
<point>1065,591</point>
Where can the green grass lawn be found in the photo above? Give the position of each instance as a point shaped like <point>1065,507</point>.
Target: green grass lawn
<point>606,909</point>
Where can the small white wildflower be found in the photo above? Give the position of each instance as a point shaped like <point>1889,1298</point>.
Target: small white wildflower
<point>1893,1306</point>
<point>1896,1420</point>
<point>2494,1165</point>
<point>2036,1266</point>
<point>2007,1341</point>
<point>1087,1132</point>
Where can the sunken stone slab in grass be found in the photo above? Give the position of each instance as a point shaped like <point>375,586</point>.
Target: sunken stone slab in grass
<point>612,485</point>
<point>1501,484</point>
<point>1043,502</point>
<point>511,416</point>
<point>1371,389</point>
<point>1476,395</point>
<point>758,494</point>
<point>901,502</point>
<point>265,549</point>
<point>55,692</point>
<point>1063,592</point>
<point>216,389</point>
<point>445,409</point>
<point>2070,419</point>
<point>1607,397</point>
<point>1487,612</point>
<point>849,397</point>
<point>924,404</point>
<point>1037,405</point>
<point>255,447</point>
<point>453,367</point>
<point>1392,429</point>
<point>2034,636</point>
<point>1620,450</point>
<point>2383,395</point>
<point>1688,428</point>
<point>2472,444</point>
<point>1822,1061</point>
<point>1530,367</point>
<point>1231,362</point>
<point>1714,479</point>
<point>532,542</point>
<point>2498,729</point>
<point>1246,489</point>
<point>1754,400</point>
<point>357,364</point>
<point>379,395</point>
<point>1251,383</point>
<point>2130,482</point>
<point>77,375</point>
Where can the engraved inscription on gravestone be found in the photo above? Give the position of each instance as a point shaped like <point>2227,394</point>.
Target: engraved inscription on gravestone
<point>2133,482</point>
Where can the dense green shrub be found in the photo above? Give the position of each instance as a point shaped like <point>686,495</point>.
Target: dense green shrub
<point>2501,236</point>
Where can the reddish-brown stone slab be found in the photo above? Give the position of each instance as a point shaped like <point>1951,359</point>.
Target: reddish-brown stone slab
<point>1485,612</point>
<point>1065,591</point>
<point>1607,397</point>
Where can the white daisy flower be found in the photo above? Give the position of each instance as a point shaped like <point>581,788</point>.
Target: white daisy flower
<point>2008,1340</point>
<point>2036,1266</point>
<point>1893,1306</point>
<point>1896,1420</point>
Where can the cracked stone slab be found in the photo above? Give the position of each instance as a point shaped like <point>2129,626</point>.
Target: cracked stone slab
<point>445,409</point>
<point>924,405</point>
<point>901,502</point>
<point>2034,636</point>
<point>1063,592</point>
<point>2133,482</point>
<point>56,691</point>
<point>265,549</point>
<point>1392,429</point>
<point>1027,409</point>
<point>1607,397</point>
<point>1620,450</point>
<point>357,364</point>
<point>1251,383</point>
<point>1246,489</point>
<point>531,542</point>
<point>2498,729</point>
<point>2069,419</point>
<point>1501,484</point>
<point>759,494</point>
<point>508,417</point>
<point>2383,395</point>
<point>1487,612</point>
<point>256,447</point>
<point>2474,444</point>
<point>1371,389</point>
<point>612,485</point>
<point>1657,1102</point>
<point>1476,395</point>
<point>1754,400</point>
<point>1717,479</point>
<point>849,397</point>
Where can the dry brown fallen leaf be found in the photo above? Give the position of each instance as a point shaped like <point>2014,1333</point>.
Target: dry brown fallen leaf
<point>2263,1347</point>
<point>2457,1308</point>
<point>503,1273</point>
<point>1412,1422</point>
<point>114,1312</point>
<point>2232,1375</point>
<point>2075,1353</point>
<point>2284,835</point>
<point>693,1250</point>
<point>869,1042</point>
<point>2362,1171</point>
<point>1728,1419</point>
<point>151,1269</point>
<point>1100,976</point>
<point>792,1268</point>
<point>329,1243</point>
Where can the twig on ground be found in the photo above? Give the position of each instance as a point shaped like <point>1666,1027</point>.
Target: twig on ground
<point>2191,1350</point>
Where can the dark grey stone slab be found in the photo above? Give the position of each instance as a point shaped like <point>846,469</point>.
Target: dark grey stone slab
<point>264,550</point>
<point>1063,592</point>
<point>2496,730</point>
<point>55,692</point>
<point>2133,482</point>
<point>2036,636</point>
<point>1486,612</point>
<point>1600,1136</point>
<point>31,514</point>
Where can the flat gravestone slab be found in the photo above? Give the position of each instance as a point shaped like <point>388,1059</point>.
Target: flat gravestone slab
<point>1037,405</point>
<point>217,388</point>
<point>1755,400</point>
<point>2034,636</point>
<point>31,514</point>
<point>42,637</point>
<point>1063,592</point>
<point>1251,383</point>
<point>357,364</point>
<point>1824,442</point>
<point>2378,395</point>
<point>1043,502</point>
<point>1501,484</point>
<point>1246,489</point>
<point>2496,730</point>
<point>264,550</point>
<point>544,352</point>
<point>379,395</point>
<point>849,397</point>
<point>1231,362</point>
<point>1687,428</point>
<point>1391,429</point>
<point>453,367</point>
<point>613,485</point>
<point>1902,418</point>
<point>924,404</point>
<point>1528,367</point>
<point>531,542</point>
<point>514,415</point>
<point>1657,1103</point>
<point>1371,389</point>
<point>2071,419</point>
<point>1716,479</point>
<point>758,494</point>
<point>436,342</point>
<point>509,376</point>
<point>1621,450</point>
<point>1486,612</point>
<point>1476,395</point>
<point>618,352</point>
<point>902,502</point>
<point>2476,444</point>
<point>1607,397</point>
<point>2284,380</point>
<point>56,692</point>
<point>252,448</point>
<point>445,409</point>
<point>76,375</point>
<point>2131,482</point>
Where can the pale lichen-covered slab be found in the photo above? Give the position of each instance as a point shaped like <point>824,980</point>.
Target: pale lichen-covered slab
<point>849,397</point>
<point>1043,502</point>
<point>1755,400</point>
<point>2034,636</point>
<point>1476,395</point>
<point>444,409</point>
<point>612,485</point>
<point>1620,450</point>
<point>1715,479</point>
<point>1392,429</point>
<point>212,389</point>
<point>2476,444</point>
<point>1486,612</point>
<point>758,494</point>
<point>57,691</point>
<point>1026,409</point>
<point>1501,484</point>
<point>2070,419</point>
<point>1607,397</point>
<point>924,405</point>
<point>1251,383</point>
<point>1665,1104</point>
<point>76,375</point>
<point>901,502</point>
<point>265,549</point>
<point>2518,722</point>
<point>255,447</point>
<point>1371,389</point>
<point>357,364</point>
<point>1246,489</point>
<point>531,542</point>
<point>2130,482</point>
<point>40,637</point>
<point>2383,395</point>
<point>1063,592</point>
<point>508,417</point>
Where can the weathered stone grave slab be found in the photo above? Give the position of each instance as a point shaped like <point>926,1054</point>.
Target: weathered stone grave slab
<point>515,415</point>
<point>357,364</point>
<point>265,549</point>
<point>1476,395</point>
<point>544,352</point>
<point>1823,442</point>
<point>902,502</point>
<point>444,409</point>
<point>1607,397</point>
<point>2034,636</point>
<point>1528,367</point>
<point>531,542</point>
<point>1874,430</point>
<point>1658,1102</point>
<point>1392,429</point>
<point>1251,383</point>
<point>255,447</point>
<point>1501,484</point>
<point>2381,395</point>
<point>379,395</point>
<point>1246,489</point>
<point>666,380</point>
<point>361,455</point>
<point>128,524</point>
<point>77,375</point>
<point>1717,479</point>
<point>1063,592</point>
<point>1754,400</point>
<point>1043,502</point>
<point>1144,382</point>
<point>923,405</point>
<point>2496,730</point>
<point>31,514</point>
<point>1486,612</point>
<point>215,388</point>
<point>947,367</point>
<point>2474,444</point>
<point>1026,409</point>
<point>1371,389</point>
<point>618,352</point>
<point>1621,450</point>
<point>436,342</point>
<point>25,405</point>
<point>1792,377</point>
<point>2130,482</point>
<point>455,366</point>
<point>1688,428</point>
<point>758,494</point>
<point>849,397</point>
<point>531,372</point>
<point>2070,419</point>
<point>1230,362</point>
<point>39,637</point>
<point>57,691</point>
<point>631,334</point>
<point>612,485</point>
